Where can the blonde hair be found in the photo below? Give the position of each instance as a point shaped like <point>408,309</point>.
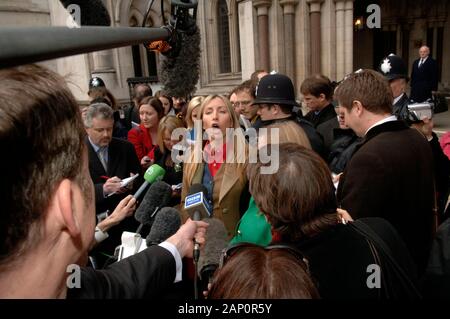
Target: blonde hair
<point>169,123</point>
<point>240,154</point>
<point>193,104</point>
<point>289,132</point>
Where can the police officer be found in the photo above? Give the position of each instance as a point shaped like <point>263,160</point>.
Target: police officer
<point>275,97</point>
<point>394,70</point>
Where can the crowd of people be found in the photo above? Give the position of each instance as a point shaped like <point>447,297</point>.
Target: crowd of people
<point>351,211</point>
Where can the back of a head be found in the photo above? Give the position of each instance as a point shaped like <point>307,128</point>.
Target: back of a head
<point>304,182</point>
<point>42,131</point>
<point>283,132</point>
<point>257,273</point>
<point>368,87</point>
<point>142,90</point>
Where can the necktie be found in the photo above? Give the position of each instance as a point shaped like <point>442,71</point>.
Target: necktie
<point>420,63</point>
<point>102,157</point>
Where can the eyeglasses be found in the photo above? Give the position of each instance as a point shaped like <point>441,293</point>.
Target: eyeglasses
<point>240,103</point>
<point>229,252</point>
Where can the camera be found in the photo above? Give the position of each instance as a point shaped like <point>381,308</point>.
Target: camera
<point>419,111</point>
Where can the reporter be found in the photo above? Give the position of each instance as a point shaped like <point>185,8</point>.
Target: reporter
<point>48,216</point>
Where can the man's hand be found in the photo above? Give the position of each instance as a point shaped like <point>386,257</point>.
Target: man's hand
<point>112,185</point>
<point>344,216</point>
<point>425,127</point>
<point>183,239</point>
<point>146,162</point>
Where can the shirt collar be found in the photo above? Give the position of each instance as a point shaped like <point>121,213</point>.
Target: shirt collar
<point>385,120</point>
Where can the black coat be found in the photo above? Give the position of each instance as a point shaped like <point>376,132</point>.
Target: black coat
<point>326,114</point>
<point>341,151</point>
<point>339,257</point>
<point>391,176</point>
<point>148,274</point>
<point>424,79</point>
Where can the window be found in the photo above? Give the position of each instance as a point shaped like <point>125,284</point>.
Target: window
<point>224,37</point>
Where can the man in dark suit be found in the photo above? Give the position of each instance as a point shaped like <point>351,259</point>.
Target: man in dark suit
<point>424,76</point>
<point>110,161</point>
<point>48,218</point>
<point>391,173</point>
<point>317,93</point>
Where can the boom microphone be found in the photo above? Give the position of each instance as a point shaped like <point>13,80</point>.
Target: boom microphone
<point>153,174</point>
<point>166,223</point>
<point>217,241</point>
<point>180,72</point>
<point>157,196</point>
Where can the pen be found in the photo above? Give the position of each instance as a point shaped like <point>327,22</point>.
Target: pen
<point>104,177</point>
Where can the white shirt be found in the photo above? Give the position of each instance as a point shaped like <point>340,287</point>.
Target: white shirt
<point>385,120</point>
<point>398,98</point>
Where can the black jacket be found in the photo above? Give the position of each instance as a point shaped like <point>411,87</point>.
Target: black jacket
<point>424,79</point>
<point>326,114</point>
<point>391,176</point>
<point>148,274</point>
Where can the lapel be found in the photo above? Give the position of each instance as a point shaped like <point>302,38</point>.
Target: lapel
<point>113,157</point>
<point>230,177</point>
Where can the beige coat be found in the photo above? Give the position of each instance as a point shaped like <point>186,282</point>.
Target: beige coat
<point>229,183</point>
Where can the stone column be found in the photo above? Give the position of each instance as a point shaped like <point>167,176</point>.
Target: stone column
<point>315,33</point>
<point>262,11</point>
<point>340,38</point>
<point>348,42</point>
<point>289,36</point>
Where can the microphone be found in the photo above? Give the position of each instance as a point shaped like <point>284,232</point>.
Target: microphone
<point>153,174</point>
<point>212,251</point>
<point>180,70</point>
<point>167,222</point>
<point>196,203</point>
<point>158,195</point>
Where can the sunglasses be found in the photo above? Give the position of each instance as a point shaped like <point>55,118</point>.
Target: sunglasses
<point>229,252</point>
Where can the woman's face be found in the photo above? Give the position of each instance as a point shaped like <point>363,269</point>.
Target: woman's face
<point>168,141</point>
<point>149,116</point>
<point>216,118</point>
<point>166,104</point>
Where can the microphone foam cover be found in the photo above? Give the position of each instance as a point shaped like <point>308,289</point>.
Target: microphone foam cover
<point>167,222</point>
<point>158,195</point>
<point>216,242</point>
<point>180,74</point>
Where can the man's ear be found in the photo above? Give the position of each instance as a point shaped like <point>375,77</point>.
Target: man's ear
<point>357,105</point>
<point>65,207</point>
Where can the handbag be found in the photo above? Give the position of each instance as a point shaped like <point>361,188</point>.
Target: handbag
<point>390,269</point>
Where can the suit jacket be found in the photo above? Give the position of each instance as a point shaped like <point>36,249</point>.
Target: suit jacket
<point>326,114</point>
<point>145,275</point>
<point>424,79</point>
<point>122,161</point>
<point>227,193</point>
<point>391,176</point>
<point>400,108</point>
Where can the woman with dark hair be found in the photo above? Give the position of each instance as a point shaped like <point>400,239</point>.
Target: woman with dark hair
<point>254,272</point>
<point>363,259</point>
<point>144,136</point>
<point>166,101</point>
